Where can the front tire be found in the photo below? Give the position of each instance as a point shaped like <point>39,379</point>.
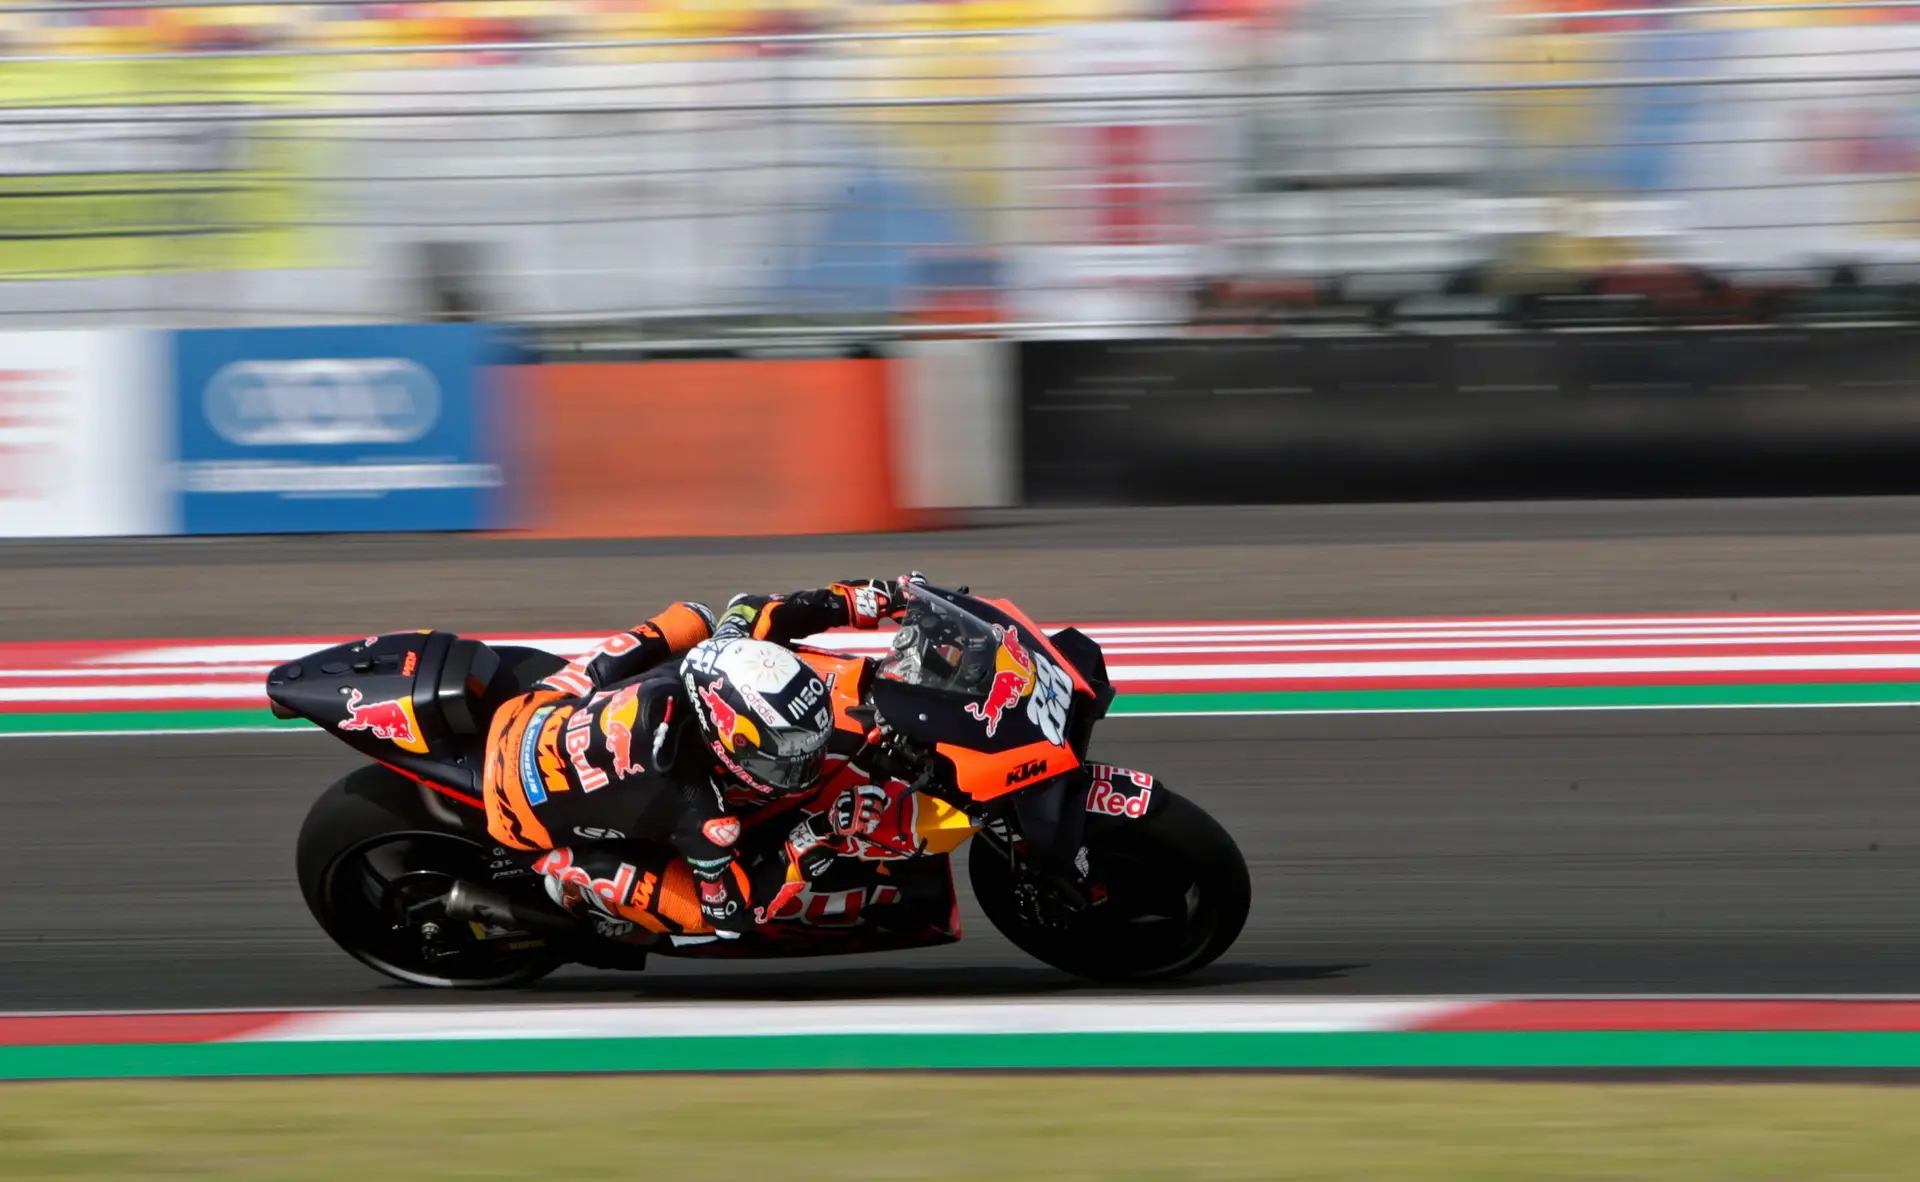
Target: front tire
<point>1177,896</point>
<point>375,860</point>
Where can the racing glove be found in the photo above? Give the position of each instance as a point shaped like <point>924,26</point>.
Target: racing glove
<point>816,841</point>
<point>868,601</point>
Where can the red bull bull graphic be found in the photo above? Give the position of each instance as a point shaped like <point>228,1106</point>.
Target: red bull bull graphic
<point>391,720</point>
<point>1010,640</point>
<point>1012,679</point>
<point>728,726</point>
<point>617,722</point>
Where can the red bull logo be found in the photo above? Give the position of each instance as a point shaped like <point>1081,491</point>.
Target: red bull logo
<point>391,720</point>
<point>617,721</point>
<point>728,726</point>
<point>1010,641</point>
<point>1012,679</point>
<point>576,882</point>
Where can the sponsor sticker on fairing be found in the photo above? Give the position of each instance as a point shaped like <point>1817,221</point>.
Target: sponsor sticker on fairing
<point>1052,696</point>
<point>1012,679</point>
<point>392,720</point>
<point>1104,799</point>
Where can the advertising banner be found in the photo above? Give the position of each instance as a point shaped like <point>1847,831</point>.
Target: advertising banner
<point>301,430</point>
<point>706,448</point>
<point>82,435</point>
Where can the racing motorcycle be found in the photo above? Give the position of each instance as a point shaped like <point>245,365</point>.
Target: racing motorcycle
<point>981,717</point>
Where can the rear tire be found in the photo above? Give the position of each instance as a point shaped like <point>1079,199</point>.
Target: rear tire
<point>373,858</point>
<point>1178,896</point>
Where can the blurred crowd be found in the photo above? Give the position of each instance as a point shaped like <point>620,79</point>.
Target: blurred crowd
<point>85,27</point>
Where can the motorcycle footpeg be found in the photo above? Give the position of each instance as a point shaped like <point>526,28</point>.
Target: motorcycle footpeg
<point>473,904</point>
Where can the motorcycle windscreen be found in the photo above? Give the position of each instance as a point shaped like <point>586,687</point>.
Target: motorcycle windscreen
<point>984,688</point>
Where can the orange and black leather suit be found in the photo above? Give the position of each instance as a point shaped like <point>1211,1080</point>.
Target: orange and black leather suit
<point>597,767</point>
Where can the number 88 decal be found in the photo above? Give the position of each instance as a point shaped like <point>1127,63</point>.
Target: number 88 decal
<point>1047,707</point>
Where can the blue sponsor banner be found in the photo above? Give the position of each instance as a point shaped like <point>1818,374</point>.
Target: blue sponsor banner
<point>305,430</point>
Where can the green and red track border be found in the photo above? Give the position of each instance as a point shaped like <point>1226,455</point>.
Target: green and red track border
<point>1175,668</point>
<point>1192,669</point>
<point>1439,1033</point>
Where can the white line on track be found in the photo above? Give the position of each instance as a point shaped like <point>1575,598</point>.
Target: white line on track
<point>160,732</point>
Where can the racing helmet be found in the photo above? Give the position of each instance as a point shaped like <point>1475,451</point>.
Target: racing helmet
<point>765,714</point>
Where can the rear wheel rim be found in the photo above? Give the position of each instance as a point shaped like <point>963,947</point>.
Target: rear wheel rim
<point>377,894</point>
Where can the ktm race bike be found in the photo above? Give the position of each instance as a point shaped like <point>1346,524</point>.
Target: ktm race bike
<point>984,719</point>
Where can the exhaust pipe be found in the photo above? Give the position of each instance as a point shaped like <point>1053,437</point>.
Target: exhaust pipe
<point>469,903</point>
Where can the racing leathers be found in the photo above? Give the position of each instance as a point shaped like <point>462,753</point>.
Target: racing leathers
<point>603,768</point>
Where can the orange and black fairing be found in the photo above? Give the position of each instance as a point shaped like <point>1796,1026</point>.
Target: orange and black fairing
<point>1031,631</point>
<point>1030,721</point>
<point>985,775</point>
<point>415,701</point>
<point>846,676</point>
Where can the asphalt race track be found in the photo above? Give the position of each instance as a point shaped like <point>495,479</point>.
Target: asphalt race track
<point>1773,851</point>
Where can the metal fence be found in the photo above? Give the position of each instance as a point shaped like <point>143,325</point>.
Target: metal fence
<point>1054,177</point>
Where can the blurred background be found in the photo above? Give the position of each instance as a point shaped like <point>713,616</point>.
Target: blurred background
<point>700,165</point>
<point>969,213</point>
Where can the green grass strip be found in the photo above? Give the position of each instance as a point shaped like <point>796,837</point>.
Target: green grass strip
<point>1574,697</point>
<point>1630,1049</point>
<point>97,722</point>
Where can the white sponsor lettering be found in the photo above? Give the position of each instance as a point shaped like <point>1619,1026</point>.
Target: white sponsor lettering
<point>215,476</point>
<point>759,705</point>
<point>1104,799</point>
<point>322,401</point>
<point>806,698</point>
<point>1052,695</point>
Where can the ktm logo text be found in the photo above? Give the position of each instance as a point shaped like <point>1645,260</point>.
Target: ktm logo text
<point>1027,771</point>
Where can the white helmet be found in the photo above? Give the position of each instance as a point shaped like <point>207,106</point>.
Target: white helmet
<point>764,712</point>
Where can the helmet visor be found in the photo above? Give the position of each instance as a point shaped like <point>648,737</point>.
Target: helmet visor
<point>784,772</point>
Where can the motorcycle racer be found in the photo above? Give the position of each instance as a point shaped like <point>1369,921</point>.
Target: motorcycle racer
<point>676,731</point>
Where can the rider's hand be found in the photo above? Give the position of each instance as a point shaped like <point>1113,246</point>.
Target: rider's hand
<point>868,601</point>
<point>858,811</point>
